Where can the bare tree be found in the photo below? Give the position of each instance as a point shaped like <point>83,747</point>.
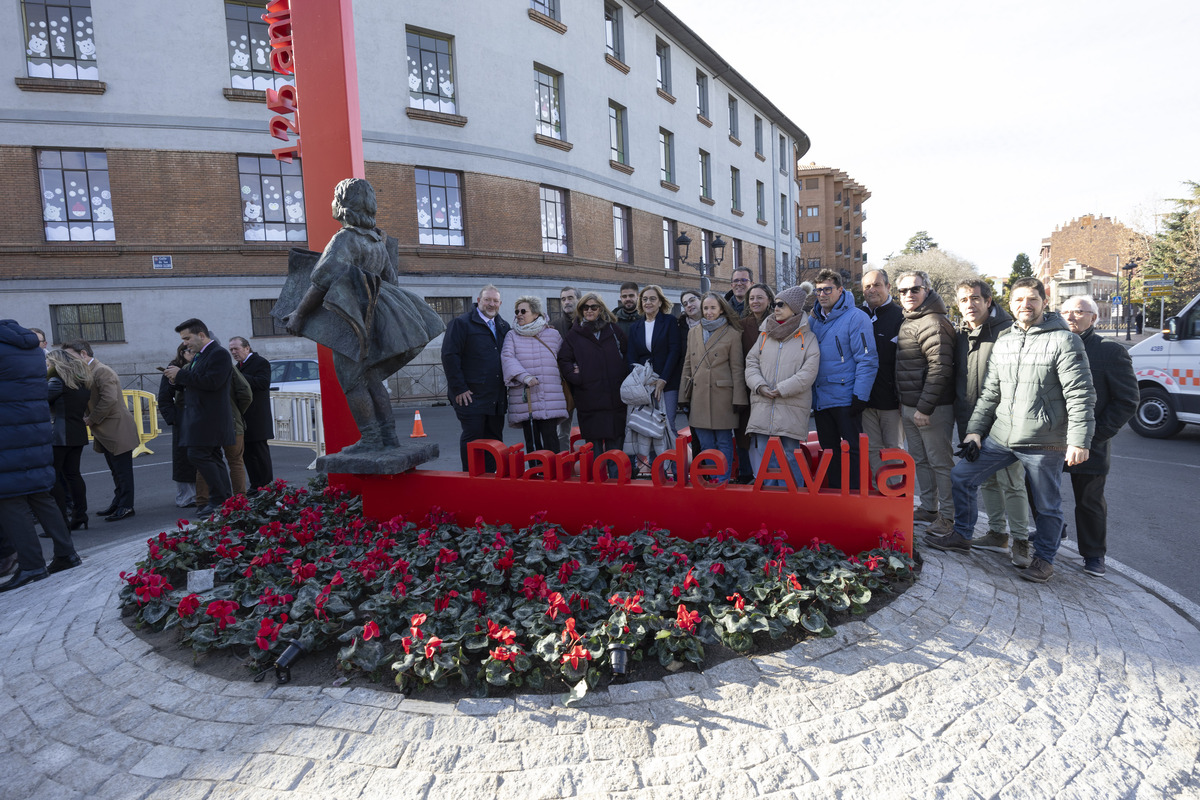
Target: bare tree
<point>945,269</point>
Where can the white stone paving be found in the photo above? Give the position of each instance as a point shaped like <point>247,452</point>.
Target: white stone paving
<point>974,684</point>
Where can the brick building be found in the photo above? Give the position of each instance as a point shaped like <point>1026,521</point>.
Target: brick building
<point>134,201</point>
<point>829,222</point>
<point>1098,243</point>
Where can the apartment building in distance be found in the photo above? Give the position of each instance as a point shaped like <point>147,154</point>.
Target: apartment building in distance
<point>136,197</point>
<point>829,222</point>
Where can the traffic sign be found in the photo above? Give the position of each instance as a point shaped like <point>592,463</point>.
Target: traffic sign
<point>1158,283</point>
<point>1116,301</point>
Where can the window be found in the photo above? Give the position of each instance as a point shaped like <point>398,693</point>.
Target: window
<point>449,307</point>
<point>547,7</point>
<point>735,189</point>
<point>733,116</point>
<point>813,211</point>
<point>613,40</point>
<point>554,220</point>
<point>705,175</point>
<point>431,72</point>
<point>76,201</point>
<point>735,254</point>
<point>783,154</point>
<point>662,59</point>
<point>837,198</point>
<point>622,238</point>
<point>669,237</point>
<point>814,263</point>
<point>762,264</point>
<point>553,306</point>
<point>701,94</point>
<point>546,88</point>
<point>272,198</point>
<point>439,207</point>
<point>812,183</point>
<point>760,199</point>
<point>95,322</point>
<point>617,133</point>
<point>261,321</point>
<point>838,249</point>
<point>705,246</point>
<point>666,154</point>
<point>758,135</point>
<point>59,41</point>
<point>783,215</point>
<point>814,236</point>
<point>249,48</point>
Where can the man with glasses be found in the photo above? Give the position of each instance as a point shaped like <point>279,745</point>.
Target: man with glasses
<point>881,417</point>
<point>474,376</point>
<point>849,363</point>
<point>736,297</point>
<point>925,380</point>
<point>41,338</point>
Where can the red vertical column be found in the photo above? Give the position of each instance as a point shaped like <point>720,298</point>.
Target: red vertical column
<point>331,135</point>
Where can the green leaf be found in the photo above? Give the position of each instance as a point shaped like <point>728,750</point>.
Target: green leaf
<point>577,693</point>
<point>814,621</point>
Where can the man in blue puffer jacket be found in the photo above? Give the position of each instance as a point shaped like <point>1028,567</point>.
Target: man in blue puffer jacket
<point>849,363</point>
<point>27,459</point>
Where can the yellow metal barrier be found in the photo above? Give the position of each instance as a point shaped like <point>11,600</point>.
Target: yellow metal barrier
<point>144,407</point>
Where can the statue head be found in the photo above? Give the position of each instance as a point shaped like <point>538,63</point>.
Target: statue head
<point>354,203</point>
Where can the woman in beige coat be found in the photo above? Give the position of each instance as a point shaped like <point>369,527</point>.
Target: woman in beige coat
<point>780,370</point>
<point>714,379</point>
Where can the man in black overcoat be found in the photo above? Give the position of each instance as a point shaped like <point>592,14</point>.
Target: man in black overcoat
<point>260,427</point>
<point>474,378</point>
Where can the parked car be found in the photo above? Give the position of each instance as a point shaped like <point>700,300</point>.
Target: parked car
<point>295,375</point>
<point>1168,372</point>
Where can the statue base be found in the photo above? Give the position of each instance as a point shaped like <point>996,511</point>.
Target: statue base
<point>390,461</point>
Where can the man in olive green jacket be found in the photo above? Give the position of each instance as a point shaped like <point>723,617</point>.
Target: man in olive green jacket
<point>1037,407</point>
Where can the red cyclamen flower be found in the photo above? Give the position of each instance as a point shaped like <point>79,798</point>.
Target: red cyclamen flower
<point>188,605</point>
<point>370,630</point>
<point>557,604</point>
<point>575,655</point>
<point>687,620</point>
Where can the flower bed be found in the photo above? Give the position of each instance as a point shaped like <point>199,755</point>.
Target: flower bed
<point>427,602</point>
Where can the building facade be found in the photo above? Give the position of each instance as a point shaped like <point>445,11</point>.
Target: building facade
<point>135,200</point>
<point>1074,279</point>
<point>829,222</point>
<point>1098,243</point>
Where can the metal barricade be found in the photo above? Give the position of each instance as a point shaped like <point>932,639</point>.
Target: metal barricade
<point>298,421</point>
<point>144,408</point>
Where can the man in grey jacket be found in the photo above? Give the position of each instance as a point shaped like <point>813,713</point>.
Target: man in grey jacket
<point>1037,408</point>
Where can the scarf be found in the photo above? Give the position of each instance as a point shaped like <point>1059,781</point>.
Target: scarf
<point>692,322</point>
<point>711,326</point>
<point>531,328</point>
<point>780,331</point>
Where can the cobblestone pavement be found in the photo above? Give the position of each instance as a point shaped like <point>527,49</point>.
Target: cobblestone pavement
<point>974,684</point>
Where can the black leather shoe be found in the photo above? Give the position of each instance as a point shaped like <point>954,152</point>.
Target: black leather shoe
<point>23,577</point>
<point>8,565</point>
<point>105,512</point>
<point>205,511</point>
<point>64,562</point>
<point>119,514</point>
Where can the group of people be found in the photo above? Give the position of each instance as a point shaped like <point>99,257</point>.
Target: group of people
<point>220,412</point>
<point>1031,393</point>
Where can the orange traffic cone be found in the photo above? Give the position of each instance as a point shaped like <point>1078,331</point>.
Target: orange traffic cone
<point>418,428</point>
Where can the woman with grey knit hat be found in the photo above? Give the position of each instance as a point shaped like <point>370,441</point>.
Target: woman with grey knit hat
<point>780,370</point>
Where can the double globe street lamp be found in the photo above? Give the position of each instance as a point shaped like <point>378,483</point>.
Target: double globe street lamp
<point>683,242</point>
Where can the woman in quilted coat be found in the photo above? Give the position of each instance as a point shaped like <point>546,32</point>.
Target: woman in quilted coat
<point>529,358</point>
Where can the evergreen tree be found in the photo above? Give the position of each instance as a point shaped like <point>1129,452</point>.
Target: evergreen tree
<point>1176,249</point>
<point>919,243</point>
<point>1021,268</point>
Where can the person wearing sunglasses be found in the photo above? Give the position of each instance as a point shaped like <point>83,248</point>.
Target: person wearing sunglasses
<point>780,370</point>
<point>849,363</point>
<point>536,401</point>
<point>592,360</point>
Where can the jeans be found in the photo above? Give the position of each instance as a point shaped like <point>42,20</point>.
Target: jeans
<point>1043,473</point>
<point>758,446</point>
<point>712,439</point>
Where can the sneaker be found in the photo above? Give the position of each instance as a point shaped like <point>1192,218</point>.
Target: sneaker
<point>950,543</point>
<point>921,515</point>
<point>1039,571</point>
<point>942,527</point>
<point>1020,553</point>
<point>996,542</point>
<point>1094,566</point>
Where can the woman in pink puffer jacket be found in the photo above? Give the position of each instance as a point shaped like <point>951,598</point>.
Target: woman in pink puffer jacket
<point>529,358</point>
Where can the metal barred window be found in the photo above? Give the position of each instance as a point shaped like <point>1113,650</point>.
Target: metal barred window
<point>95,322</point>
<point>261,321</point>
<point>449,307</point>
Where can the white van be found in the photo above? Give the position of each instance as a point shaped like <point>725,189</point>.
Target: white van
<point>1168,372</point>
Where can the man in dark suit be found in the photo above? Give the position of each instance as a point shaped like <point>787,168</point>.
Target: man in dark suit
<point>260,427</point>
<point>208,413</point>
<point>474,378</point>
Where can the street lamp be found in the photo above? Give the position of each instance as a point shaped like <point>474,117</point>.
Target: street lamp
<point>683,242</point>
<point>1129,268</point>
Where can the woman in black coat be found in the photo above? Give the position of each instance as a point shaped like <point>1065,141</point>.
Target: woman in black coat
<point>69,384</point>
<point>592,360</point>
<point>170,405</point>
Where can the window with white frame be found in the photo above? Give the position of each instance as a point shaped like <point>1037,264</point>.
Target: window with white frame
<point>666,155</point>
<point>701,94</point>
<point>813,211</point>
<point>814,236</point>
<point>94,322</point>
<point>430,71</point>
<point>705,174</point>
<point>250,48</point>
<point>735,254</point>
<point>439,207</point>
<point>735,189</point>
<point>622,234</point>
<point>554,220</point>
<point>547,87</point>
<point>617,133</point>
<point>76,201</point>
<point>669,237</point>
<point>662,61</point>
<point>59,40</point>
<point>547,7</point>
<point>758,135</point>
<point>814,263</point>
<point>613,35</point>
<point>733,117</point>
<point>272,198</point>
<point>783,154</point>
<point>760,200</point>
